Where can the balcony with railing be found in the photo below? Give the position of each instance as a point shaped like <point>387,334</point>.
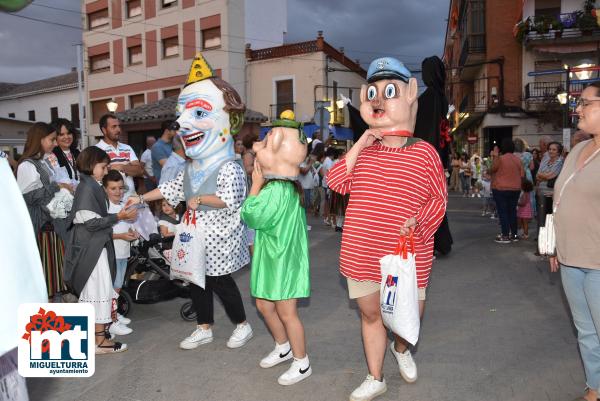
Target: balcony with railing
<point>562,29</point>
<point>477,102</point>
<point>543,90</point>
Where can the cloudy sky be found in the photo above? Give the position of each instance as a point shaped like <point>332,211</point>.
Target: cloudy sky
<point>407,29</point>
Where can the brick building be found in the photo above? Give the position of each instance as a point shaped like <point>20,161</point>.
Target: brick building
<point>139,51</point>
<point>487,75</point>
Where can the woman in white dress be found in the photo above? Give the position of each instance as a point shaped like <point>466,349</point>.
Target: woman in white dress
<point>90,266</point>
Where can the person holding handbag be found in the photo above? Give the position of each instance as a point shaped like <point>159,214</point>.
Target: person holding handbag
<point>577,233</point>
<point>549,170</point>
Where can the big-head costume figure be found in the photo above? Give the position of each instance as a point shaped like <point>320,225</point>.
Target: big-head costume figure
<point>280,260</point>
<point>213,185</point>
<point>280,270</point>
<point>396,184</point>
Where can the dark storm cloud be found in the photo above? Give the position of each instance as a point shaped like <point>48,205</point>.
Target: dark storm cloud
<point>33,50</point>
<point>409,30</point>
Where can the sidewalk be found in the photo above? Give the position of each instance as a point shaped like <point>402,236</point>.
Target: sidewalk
<point>495,328</point>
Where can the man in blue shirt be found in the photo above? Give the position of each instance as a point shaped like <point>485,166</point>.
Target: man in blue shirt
<point>163,148</point>
<point>175,163</point>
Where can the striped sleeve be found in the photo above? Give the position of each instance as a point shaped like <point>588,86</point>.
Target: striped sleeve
<point>430,215</point>
<point>337,178</point>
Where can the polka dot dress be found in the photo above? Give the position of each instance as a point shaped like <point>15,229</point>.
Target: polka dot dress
<point>226,240</point>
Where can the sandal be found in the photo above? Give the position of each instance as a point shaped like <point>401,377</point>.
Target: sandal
<point>116,347</point>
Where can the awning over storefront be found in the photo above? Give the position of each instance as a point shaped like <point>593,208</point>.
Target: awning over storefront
<point>472,120</point>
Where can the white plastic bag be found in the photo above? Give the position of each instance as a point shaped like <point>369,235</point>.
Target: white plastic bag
<point>188,255</point>
<point>145,224</point>
<point>61,204</point>
<point>546,238</point>
<point>399,297</point>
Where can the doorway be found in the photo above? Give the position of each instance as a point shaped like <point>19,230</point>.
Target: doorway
<point>494,135</point>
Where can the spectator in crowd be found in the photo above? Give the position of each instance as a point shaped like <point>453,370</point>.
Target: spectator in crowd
<point>465,174</point>
<point>525,207</point>
<point>123,235</point>
<point>537,159</point>
<point>163,147</point>
<point>476,176</point>
<point>525,157</point>
<point>325,195</point>
<point>238,147</point>
<point>577,228</point>
<point>36,181</point>
<point>65,154</point>
<point>507,174</point>
<point>90,255</point>
<point>318,154</point>
<point>455,184</point>
<point>549,170</point>
<point>543,142</point>
<point>307,180</point>
<point>317,138</point>
<point>528,165</point>
<point>122,157</point>
<point>175,162</point>
<point>150,180</point>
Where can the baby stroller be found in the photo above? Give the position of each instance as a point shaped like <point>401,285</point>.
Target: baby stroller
<point>151,282</point>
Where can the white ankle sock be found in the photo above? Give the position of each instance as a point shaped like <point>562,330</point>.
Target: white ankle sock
<point>303,361</point>
<point>284,346</point>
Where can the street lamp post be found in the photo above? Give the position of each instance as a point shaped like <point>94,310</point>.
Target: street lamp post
<point>112,106</point>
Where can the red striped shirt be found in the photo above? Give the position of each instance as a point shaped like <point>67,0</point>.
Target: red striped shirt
<point>388,186</point>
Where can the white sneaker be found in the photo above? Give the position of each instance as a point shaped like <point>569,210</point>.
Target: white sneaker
<point>198,337</point>
<point>281,353</point>
<point>240,336</point>
<point>119,329</point>
<point>308,228</point>
<point>408,368</point>
<point>369,389</point>
<point>123,319</point>
<point>299,371</point>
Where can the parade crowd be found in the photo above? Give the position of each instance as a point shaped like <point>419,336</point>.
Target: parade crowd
<point>252,200</point>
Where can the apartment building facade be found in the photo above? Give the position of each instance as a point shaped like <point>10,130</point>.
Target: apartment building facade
<point>139,51</point>
<point>486,76</point>
<point>303,77</point>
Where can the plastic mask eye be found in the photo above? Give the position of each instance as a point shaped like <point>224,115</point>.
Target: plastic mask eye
<point>200,113</point>
<point>371,92</point>
<point>390,91</point>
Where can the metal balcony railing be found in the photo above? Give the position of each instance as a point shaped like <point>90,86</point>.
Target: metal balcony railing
<point>539,90</point>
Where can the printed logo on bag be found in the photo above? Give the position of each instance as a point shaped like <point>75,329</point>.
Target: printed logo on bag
<point>389,298</point>
<point>57,340</point>
<point>185,237</point>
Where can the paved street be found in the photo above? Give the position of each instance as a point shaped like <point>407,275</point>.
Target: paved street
<point>496,328</point>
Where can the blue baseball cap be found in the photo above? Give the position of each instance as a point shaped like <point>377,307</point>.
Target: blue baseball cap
<point>387,68</point>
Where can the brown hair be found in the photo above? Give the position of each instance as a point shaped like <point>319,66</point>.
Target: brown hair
<point>112,176</point>
<point>89,157</point>
<point>248,140</point>
<point>233,102</point>
<point>33,145</point>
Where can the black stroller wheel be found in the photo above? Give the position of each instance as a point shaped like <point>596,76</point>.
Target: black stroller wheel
<point>187,312</point>
<point>124,303</point>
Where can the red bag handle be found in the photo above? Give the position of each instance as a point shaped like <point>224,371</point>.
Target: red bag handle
<point>403,244</point>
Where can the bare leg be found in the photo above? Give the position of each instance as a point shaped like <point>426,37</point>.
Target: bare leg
<point>267,309</point>
<point>526,227</point>
<point>374,333</point>
<point>400,344</point>
<point>288,313</point>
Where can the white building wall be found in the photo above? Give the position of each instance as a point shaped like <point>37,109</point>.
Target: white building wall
<point>266,23</point>
<point>41,104</point>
